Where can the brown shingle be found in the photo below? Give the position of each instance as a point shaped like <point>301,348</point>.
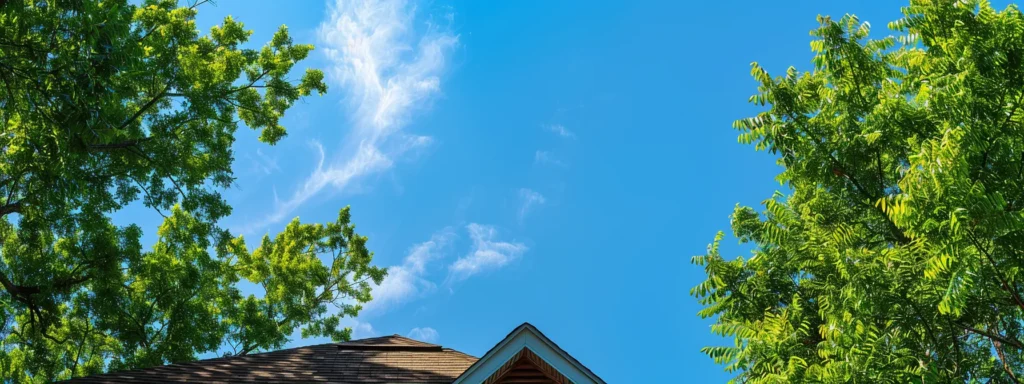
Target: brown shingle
<point>388,359</point>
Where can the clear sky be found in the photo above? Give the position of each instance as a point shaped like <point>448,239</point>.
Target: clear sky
<point>556,162</point>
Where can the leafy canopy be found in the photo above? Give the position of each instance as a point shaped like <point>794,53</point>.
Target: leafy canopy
<point>896,255</point>
<point>105,104</point>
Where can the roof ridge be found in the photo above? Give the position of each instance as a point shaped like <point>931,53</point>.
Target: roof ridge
<point>386,340</point>
<point>412,339</point>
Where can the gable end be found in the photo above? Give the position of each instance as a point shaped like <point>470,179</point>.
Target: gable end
<point>527,344</point>
<point>527,367</point>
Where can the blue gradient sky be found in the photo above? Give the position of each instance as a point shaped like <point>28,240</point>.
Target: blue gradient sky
<point>556,162</point>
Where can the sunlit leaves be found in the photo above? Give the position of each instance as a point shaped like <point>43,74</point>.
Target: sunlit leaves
<point>105,104</point>
<point>895,254</point>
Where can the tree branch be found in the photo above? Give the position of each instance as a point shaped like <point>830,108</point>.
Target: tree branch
<point>859,188</point>
<point>1002,339</point>
<point>10,208</point>
<point>120,145</point>
<point>1002,357</point>
<point>16,290</point>
<point>995,267</point>
<point>246,350</point>
<point>145,107</point>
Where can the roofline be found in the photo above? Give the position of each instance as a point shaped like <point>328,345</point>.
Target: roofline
<point>415,346</point>
<point>407,348</point>
<point>543,338</point>
<point>196,362</point>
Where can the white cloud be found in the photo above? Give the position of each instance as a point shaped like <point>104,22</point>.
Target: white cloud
<point>425,334</point>
<point>367,159</point>
<point>261,162</point>
<point>375,53</point>
<point>407,280</point>
<point>388,69</point>
<point>486,254</point>
<point>528,199</point>
<point>545,157</point>
<point>360,329</point>
<point>403,283</point>
<point>560,130</point>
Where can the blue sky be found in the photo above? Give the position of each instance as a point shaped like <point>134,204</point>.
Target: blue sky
<point>556,162</point>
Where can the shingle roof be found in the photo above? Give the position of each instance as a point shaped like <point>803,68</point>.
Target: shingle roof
<point>388,342</point>
<point>388,359</point>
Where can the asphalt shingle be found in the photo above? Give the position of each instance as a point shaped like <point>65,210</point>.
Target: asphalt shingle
<point>388,359</point>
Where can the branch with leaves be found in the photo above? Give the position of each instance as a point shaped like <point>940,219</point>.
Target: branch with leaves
<point>106,103</point>
<point>893,256</point>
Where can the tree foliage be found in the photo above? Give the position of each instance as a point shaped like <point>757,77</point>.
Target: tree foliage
<point>896,254</point>
<point>106,104</point>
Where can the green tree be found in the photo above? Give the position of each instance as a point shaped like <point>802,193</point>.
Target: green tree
<point>896,253</point>
<point>105,104</point>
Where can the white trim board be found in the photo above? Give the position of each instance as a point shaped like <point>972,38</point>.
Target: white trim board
<point>527,336</point>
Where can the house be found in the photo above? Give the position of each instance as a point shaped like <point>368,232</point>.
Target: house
<point>524,356</point>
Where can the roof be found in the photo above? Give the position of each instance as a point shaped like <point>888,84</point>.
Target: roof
<point>389,343</point>
<point>524,356</point>
<point>527,340</point>
<point>388,359</point>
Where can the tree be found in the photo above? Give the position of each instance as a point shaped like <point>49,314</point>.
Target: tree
<point>106,104</point>
<point>896,253</point>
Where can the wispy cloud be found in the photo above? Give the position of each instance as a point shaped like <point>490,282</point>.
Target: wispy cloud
<point>405,282</point>
<point>487,253</point>
<point>360,329</point>
<point>527,200</point>
<point>263,163</point>
<point>377,55</point>
<point>388,69</point>
<point>560,130</point>
<point>426,334</point>
<point>367,159</point>
<point>545,157</point>
<point>408,281</point>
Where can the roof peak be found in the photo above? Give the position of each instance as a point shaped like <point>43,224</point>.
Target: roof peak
<point>527,339</point>
<point>394,342</point>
